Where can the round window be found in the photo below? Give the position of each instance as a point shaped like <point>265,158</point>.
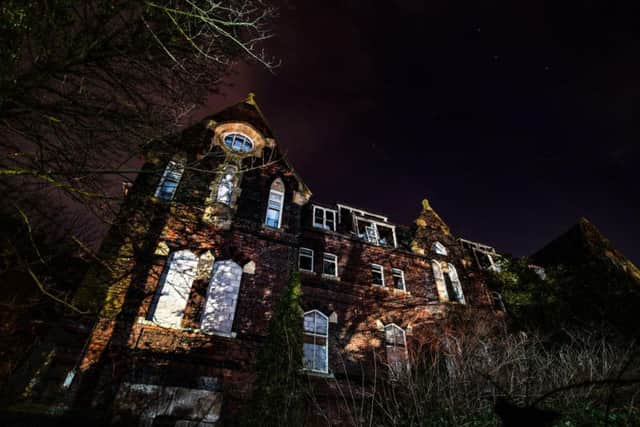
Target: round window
<point>238,142</point>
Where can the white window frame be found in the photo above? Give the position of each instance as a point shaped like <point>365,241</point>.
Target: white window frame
<point>333,259</point>
<point>373,268</point>
<point>359,212</point>
<point>324,225</point>
<point>175,165</point>
<point>405,368</point>
<point>439,249</point>
<point>300,255</point>
<point>314,334</point>
<point>281,193</point>
<point>396,272</point>
<point>376,233</point>
<point>235,134</point>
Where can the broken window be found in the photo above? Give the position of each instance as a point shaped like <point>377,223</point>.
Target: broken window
<point>305,259</point>
<point>174,288</point>
<point>227,184</point>
<point>447,282</point>
<point>398,278</point>
<point>222,297</point>
<point>315,347</point>
<point>324,218</point>
<point>396,348</point>
<point>275,204</point>
<point>330,264</point>
<point>376,233</point>
<point>377,275</point>
<point>439,248</point>
<point>170,179</point>
<point>455,283</point>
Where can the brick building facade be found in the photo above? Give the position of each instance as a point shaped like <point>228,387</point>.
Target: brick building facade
<point>205,243</point>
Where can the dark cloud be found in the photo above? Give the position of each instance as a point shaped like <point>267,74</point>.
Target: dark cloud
<point>513,118</point>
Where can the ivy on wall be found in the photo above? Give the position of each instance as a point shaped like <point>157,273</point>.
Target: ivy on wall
<point>277,394</point>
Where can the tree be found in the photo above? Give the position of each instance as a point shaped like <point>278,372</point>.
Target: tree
<point>86,86</point>
<point>277,394</point>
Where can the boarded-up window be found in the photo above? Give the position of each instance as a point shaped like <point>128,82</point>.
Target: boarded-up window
<point>222,297</point>
<point>174,288</point>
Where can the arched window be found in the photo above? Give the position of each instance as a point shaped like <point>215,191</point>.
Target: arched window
<point>439,248</point>
<point>275,204</point>
<point>222,297</point>
<point>438,276</point>
<point>238,142</point>
<point>170,178</point>
<point>227,185</point>
<point>455,284</point>
<point>447,282</point>
<point>396,345</point>
<point>174,288</point>
<point>315,347</point>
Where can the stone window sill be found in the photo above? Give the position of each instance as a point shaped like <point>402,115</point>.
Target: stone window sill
<point>327,375</point>
<point>330,277</point>
<point>143,321</point>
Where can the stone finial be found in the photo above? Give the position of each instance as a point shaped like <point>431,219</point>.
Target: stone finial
<point>162,249</point>
<point>249,268</point>
<point>333,318</point>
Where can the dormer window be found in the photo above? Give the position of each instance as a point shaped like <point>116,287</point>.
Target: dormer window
<point>238,142</point>
<point>324,218</point>
<point>439,249</point>
<point>375,232</point>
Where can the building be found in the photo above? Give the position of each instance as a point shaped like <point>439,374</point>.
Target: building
<point>205,243</point>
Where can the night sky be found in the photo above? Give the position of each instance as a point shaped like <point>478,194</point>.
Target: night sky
<point>513,118</point>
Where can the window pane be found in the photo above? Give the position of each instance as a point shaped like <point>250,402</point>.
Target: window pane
<point>453,296</point>
<point>398,279</point>
<point>309,322</point>
<point>318,217</point>
<point>329,265</point>
<point>238,143</point>
<point>309,351</point>
<point>306,263</point>
<point>322,326</point>
<point>321,357</point>
<point>377,277</point>
<point>273,217</point>
<point>330,220</point>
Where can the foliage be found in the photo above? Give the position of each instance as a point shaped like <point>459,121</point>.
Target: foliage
<point>85,87</point>
<point>587,379</point>
<point>276,399</point>
<point>594,292</point>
